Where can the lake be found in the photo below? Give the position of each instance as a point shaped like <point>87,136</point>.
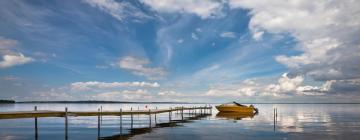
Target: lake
<point>294,121</point>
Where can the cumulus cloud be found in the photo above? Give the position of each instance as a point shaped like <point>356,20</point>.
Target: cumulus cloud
<point>203,8</point>
<point>326,31</point>
<point>11,60</point>
<point>138,67</point>
<point>103,85</point>
<point>10,57</point>
<point>228,35</point>
<point>119,10</point>
<point>285,86</point>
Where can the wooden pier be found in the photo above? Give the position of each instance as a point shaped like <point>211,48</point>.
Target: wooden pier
<point>48,113</point>
<point>192,112</point>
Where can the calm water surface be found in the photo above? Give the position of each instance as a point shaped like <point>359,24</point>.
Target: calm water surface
<point>294,121</point>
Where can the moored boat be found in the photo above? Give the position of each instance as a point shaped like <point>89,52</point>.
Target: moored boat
<point>236,107</point>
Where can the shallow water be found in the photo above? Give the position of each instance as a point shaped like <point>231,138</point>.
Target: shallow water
<point>294,121</point>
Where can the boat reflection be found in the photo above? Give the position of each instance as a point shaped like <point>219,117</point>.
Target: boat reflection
<point>235,115</point>
<point>139,131</point>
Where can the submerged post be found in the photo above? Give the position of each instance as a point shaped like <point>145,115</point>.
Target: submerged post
<point>132,119</point>
<point>101,110</point>
<point>120,121</point>
<point>66,123</point>
<point>36,125</point>
<point>274,119</point>
<point>276,115</point>
<point>98,123</point>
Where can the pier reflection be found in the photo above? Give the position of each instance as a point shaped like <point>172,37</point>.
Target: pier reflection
<point>139,131</point>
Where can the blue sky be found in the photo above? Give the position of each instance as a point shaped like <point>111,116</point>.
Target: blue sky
<point>171,50</point>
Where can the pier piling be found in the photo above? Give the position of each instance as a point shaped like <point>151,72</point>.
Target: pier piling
<point>99,124</point>
<point>132,118</point>
<point>36,124</point>
<point>149,118</point>
<point>66,123</point>
<point>120,121</point>
<point>155,117</point>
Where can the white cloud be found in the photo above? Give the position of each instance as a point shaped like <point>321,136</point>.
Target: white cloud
<point>326,31</point>
<point>103,85</point>
<point>11,60</point>
<point>170,93</point>
<point>228,35</point>
<point>9,57</point>
<point>194,36</point>
<point>203,8</point>
<point>119,10</point>
<point>138,67</point>
<point>251,88</point>
<point>121,95</point>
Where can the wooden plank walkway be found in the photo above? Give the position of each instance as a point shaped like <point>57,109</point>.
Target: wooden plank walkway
<point>49,113</point>
<point>192,111</point>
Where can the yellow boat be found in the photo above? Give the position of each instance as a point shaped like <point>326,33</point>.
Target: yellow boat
<point>236,107</point>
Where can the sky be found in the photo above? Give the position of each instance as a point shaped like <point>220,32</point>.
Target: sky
<point>180,50</point>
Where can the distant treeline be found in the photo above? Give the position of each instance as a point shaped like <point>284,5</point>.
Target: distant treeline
<point>7,101</point>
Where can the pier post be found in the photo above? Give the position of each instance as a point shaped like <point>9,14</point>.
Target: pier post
<point>276,115</point>
<point>155,116</point>
<point>149,118</point>
<point>182,113</point>
<point>192,110</point>
<point>274,119</point>
<point>101,110</point>
<point>132,119</point>
<point>66,123</point>
<point>99,123</point>
<point>36,125</point>
<point>170,115</point>
<point>120,121</point>
<point>205,109</point>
